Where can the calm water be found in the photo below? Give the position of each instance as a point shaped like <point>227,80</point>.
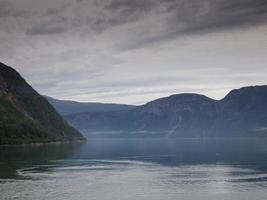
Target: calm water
<point>131,169</point>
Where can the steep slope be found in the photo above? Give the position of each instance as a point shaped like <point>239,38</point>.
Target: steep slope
<point>25,116</point>
<point>72,107</point>
<point>242,112</point>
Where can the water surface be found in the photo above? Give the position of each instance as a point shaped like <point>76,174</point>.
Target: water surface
<point>130,169</point>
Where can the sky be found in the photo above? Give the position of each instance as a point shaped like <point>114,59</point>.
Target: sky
<point>134,51</point>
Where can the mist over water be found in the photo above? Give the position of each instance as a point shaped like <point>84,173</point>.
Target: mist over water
<point>132,169</point>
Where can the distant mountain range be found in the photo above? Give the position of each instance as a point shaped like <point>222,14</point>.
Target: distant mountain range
<point>27,117</point>
<point>71,107</point>
<point>242,113</point>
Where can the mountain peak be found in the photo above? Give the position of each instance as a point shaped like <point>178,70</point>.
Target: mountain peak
<point>183,98</point>
<point>247,92</point>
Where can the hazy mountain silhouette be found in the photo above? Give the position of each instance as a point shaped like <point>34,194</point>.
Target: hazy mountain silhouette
<point>27,117</point>
<point>71,107</point>
<point>241,113</point>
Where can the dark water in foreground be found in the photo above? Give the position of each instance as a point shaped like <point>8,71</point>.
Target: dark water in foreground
<point>131,169</point>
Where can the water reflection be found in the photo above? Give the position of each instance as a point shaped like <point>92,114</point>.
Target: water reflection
<point>16,157</point>
<point>179,151</point>
<point>132,169</point>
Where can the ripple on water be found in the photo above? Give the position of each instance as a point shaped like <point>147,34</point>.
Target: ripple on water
<point>126,179</point>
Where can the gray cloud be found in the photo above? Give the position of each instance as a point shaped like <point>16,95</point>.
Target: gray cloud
<point>8,10</point>
<point>195,14</point>
<point>5,10</point>
<point>132,50</point>
<point>224,13</point>
<point>53,26</point>
<point>41,29</point>
<point>119,12</point>
<point>184,16</point>
<point>53,11</point>
<point>127,8</point>
<point>198,17</point>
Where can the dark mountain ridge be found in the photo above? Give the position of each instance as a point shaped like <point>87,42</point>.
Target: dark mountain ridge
<point>27,117</point>
<point>243,112</point>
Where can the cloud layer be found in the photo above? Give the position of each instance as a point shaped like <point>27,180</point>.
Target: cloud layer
<point>132,51</point>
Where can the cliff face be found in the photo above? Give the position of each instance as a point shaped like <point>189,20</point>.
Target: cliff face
<point>242,112</point>
<point>25,116</point>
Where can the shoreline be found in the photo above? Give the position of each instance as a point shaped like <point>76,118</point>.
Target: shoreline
<point>80,141</point>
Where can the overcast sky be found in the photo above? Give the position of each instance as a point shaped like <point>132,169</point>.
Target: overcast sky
<point>134,51</point>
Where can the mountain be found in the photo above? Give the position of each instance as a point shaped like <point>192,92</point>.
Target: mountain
<point>241,113</point>
<point>27,117</point>
<point>71,107</point>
